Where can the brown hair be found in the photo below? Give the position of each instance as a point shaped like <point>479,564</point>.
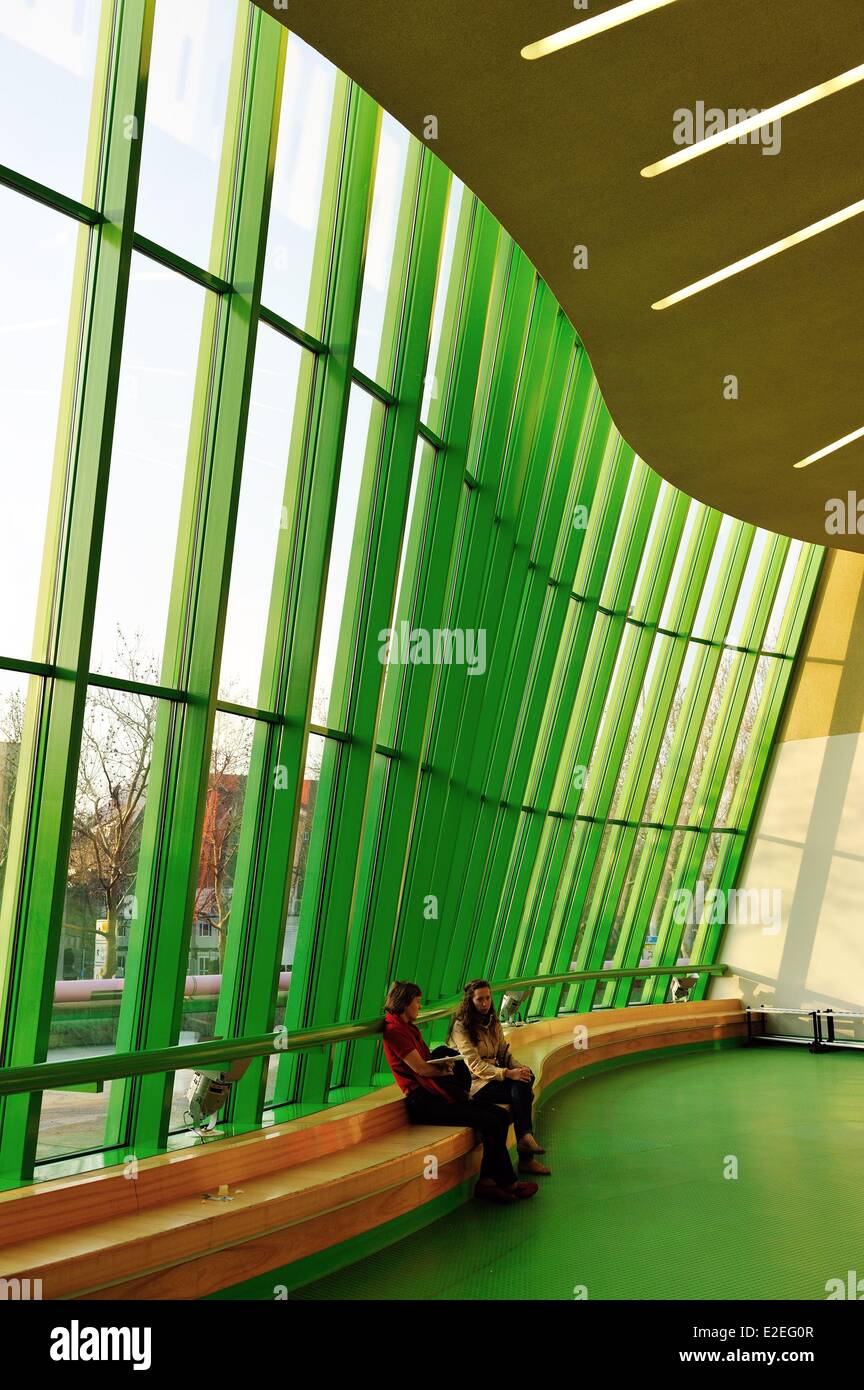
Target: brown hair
<point>399,996</point>
<point>467,1013</point>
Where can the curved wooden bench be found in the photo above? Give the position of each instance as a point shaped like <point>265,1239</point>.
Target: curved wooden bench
<point>299,1188</point>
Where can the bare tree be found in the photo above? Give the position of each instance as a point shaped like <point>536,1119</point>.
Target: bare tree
<point>11,732</point>
<point>229,768</point>
<point>116,749</point>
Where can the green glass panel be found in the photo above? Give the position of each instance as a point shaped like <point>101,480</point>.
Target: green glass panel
<point>298,179</point>
<point>37,259</point>
<point>48,62</point>
<point>236,553</point>
<point>151,437</point>
<point>101,912</point>
<point>383,230</point>
<point>364,420</point>
<point>187,97</point>
<point>261,516</point>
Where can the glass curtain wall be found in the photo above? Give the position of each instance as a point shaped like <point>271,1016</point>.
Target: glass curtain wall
<point>342,636</point>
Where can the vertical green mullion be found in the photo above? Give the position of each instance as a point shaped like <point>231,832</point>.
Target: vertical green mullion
<point>709,937</point>
<point>634,523</point>
<point>543,618</point>
<point>39,847</point>
<point>629,947</point>
<point>298,592</point>
<point>514,289</point>
<point>590,474</point>
<point>271,810</point>
<point>369,602</point>
<point>659,571</point>
<point>751,778</point>
<point>664,684</point>
<point>513,602</point>
<point>759,611</point>
<point>571,739</point>
<point>403,712</point>
<point>800,599</point>
<point>168,866</point>
<point>461,349</point>
<point>736,695</point>
<point>365,780</point>
<point>764,735</point>
<point>481,589</point>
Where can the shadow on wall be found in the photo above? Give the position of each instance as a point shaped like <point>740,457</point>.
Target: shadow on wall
<point>808,842</point>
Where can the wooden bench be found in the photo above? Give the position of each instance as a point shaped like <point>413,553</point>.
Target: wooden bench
<point>297,1188</point>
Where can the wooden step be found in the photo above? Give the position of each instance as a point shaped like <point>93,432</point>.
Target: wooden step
<point>297,1188</point>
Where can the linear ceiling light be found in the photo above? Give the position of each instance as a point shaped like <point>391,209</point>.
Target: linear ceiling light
<point>751,123</point>
<point>765,254</point>
<point>831,448</point>
<point>587,28</point>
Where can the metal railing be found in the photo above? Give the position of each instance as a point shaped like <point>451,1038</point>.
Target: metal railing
<point>219,1053</point>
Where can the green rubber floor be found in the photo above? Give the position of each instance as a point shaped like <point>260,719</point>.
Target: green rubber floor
<point>638,1206</point>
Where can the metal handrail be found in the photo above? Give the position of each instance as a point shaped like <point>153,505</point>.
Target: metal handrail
<point>219,1053</point>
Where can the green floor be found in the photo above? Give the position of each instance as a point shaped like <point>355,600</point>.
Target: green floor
<point>638,1206</point>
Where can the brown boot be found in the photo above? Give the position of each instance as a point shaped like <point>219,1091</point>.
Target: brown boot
<point>523,1189</point>
<point>489,1191</point>
<point>530,1148</point>
<point>529,1164</point>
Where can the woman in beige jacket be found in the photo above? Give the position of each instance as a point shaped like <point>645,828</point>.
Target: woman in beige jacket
<point>496,1076</point>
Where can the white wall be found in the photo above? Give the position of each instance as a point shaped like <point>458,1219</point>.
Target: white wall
<point>808,843</point>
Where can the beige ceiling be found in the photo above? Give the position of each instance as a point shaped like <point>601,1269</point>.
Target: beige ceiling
<point>554,149</point>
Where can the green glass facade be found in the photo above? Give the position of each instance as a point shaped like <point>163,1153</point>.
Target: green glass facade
<point>343,637</point>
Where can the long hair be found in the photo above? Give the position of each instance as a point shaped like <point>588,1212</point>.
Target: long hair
<point>468,1015</point>
<point>399,996</point>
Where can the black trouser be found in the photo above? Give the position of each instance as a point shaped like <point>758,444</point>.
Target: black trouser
<point>492,1124</point>
<point>518,1095</point>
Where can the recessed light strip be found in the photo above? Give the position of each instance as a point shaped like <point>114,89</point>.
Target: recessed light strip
<point>745,127</point>
<point>831,449</point>
<point>815,228</point>
<point>587,28</point>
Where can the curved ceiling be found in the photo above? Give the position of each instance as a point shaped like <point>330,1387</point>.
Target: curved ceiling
<point>554,147</point>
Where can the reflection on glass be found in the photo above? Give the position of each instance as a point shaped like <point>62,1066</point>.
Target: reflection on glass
<point>671,604</point>
<point>729,666</point>
<point>389,177</point>
<point>261,517</point>
<point>308,802</point>
<point>644,580</point>
<point>37,250</point>
<point>230,755</point>
<point>424,455</point>
<point>737,635</point>
<point>101,906</point>
<point>668,744</point>
<point>710,601</point>
<point>187,93</point>
<point>13,694</point>
<point>620,807</point>
<point>154,409</point>
<point>778,613</point>
<point>47,64</point>
<point>433,387</point>
<point>298,177</point>
<point>362,411</point>
<point>754,714</point>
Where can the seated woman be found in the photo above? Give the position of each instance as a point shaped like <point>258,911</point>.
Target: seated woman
<point>431,1100</point>
<point>496,1075</point>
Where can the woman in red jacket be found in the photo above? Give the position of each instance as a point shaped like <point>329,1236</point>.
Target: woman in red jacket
<point>433,1099</point>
